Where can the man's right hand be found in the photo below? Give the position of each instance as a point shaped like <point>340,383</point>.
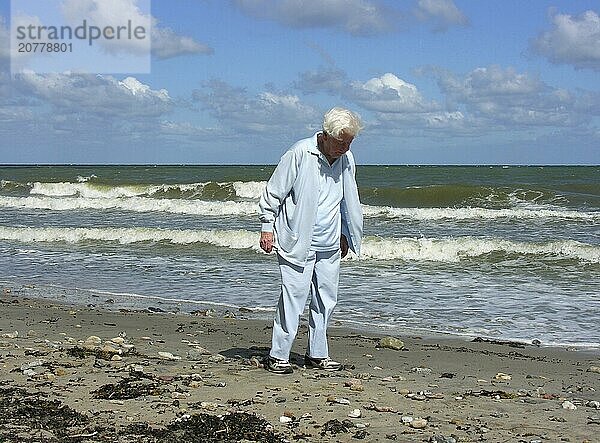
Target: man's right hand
<point>266,241</point>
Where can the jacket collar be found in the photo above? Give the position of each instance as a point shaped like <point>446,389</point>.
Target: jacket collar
<point>313,148</point>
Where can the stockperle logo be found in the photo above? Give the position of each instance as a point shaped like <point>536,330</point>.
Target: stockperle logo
<point>93,36</point>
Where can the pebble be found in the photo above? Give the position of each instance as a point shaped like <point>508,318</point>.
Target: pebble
<point>355,413</point>
<point>209,405</point>
<point>116,357</point>
<point>93,340</point>
<point>595,369</point>
<point>284,419</point>
<point>391,343</point>
<point>441,439</point>
<point>593,404</point>
<point>361,425</point>
<point>568,405</point>
<point>168,356</point>
<point>338,400</point>
<point>29,372</point>
<point>354,384</point>
<point>11,334</point>
<point>502,376</point>
<point>118,340</point>
<point>418,423</point>
<point>111,350</point>
<point>217,358</point>
<point>421,370</point>
<point>406,419</point>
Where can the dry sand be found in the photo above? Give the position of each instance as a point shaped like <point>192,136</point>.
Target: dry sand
<point>67,372</point>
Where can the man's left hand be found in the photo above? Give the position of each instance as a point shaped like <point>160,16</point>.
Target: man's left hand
<point>344,245</point>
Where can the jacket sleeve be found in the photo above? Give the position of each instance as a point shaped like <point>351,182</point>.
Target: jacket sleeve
<point>344,208</point>
<point>278,187</point>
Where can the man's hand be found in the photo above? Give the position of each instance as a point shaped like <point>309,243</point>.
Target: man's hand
<point>344,245</point>
<point>266,241</point>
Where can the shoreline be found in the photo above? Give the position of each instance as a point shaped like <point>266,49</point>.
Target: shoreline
<point>435,388</point>
<point>171,306</point>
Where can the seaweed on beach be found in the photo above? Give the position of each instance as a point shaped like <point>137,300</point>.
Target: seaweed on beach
<point>492,394</point>
<point>23,413</point>
<point>336,426</point>
<point>127,389</point>
<point>33,418</point>
<point>206,428</point>
<point>99,353</point>
<point>512,344</point>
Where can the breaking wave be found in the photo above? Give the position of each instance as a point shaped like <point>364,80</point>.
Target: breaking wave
<point>374,248</point>
<point>250,208</point>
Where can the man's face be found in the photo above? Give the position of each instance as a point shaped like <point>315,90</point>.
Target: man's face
<point>336,147</point>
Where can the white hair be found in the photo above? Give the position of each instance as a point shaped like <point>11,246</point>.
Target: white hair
<point>338,120</point>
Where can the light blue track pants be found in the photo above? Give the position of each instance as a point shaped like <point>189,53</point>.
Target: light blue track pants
<point>319,278</point>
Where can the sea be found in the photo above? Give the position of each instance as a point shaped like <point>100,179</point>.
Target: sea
<point>498,252</point>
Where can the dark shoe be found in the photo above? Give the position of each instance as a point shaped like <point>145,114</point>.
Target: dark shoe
<point>278,366</point>
<point>326,364</point>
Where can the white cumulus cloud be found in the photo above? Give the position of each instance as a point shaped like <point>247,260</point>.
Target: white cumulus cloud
<point>389,93</point>
<point>268,111</point>
<point>573,40</point>
<point>164,42</point>
<point>99,96</point>
<point>502,97</point>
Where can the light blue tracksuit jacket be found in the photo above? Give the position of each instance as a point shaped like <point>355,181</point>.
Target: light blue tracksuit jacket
<point>288,205</point>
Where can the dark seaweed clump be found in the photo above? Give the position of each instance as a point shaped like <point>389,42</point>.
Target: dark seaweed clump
<point>21,411</point>
<point>206,428</point>
<point>127,389</point>
<point>31,418</point>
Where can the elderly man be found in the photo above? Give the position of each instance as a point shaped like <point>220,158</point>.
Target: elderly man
<point>311,214</point>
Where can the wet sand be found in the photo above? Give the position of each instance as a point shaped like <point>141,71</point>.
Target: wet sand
<point>73,373</point>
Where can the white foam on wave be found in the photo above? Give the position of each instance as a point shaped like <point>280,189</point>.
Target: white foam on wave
<point>82,179</point>
<point>470,213</point>
<point>374,248</point>
<point>86,189</point>
<point>250,208</point>
<point>134,204</point>
<point>235,239</point>
<point>456,249</point>
<point>251,190</point>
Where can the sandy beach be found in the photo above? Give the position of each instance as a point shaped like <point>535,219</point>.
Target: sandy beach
<point>85,374</point>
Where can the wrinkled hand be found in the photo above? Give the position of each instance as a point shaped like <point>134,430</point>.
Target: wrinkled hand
<point>344,245</point>
<point>266,241</point>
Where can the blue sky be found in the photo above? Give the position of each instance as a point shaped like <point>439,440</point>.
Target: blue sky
<point>435,81</point>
